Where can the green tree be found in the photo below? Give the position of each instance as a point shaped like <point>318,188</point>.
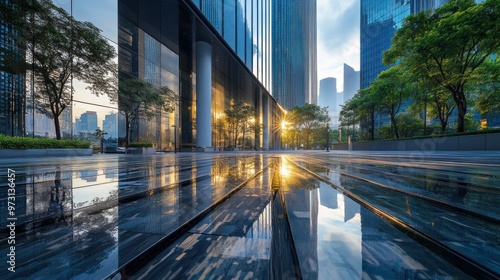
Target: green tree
<point>238,118</point>
<point>448,46</point>
<point>410,125</point>
<point>309,118</point>
<point>59,48</point>
<point>137,97</point>
<point>249,123</point>
<point>488,100</point>
<point>364,105</point>
<point>348,118</point>
<point>390,89</point>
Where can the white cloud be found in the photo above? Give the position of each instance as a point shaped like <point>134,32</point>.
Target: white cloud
<point>338,37</point>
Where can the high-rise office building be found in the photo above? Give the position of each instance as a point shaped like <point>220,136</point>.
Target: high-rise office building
<point>380,19</point>
<point>216,54</point>
<point>110,125</point>
<point>212,54</point>
<point>328,94</point>
<point>246,27</point>
<point>294,62</point>
<point>12,98</point>
<point>87,122</point>
<point>276,40</point>
<point>379,22</point>
<point>327,87</point>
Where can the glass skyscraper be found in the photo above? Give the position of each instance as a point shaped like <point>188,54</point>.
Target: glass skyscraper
<point>380,19</point>
<point>328,97</point>
<point>212,54</point>
<point>245,27</point>
<point>276,39</point>
<point>294,52</point>
<point>351,82</point>
<point>12,98</point>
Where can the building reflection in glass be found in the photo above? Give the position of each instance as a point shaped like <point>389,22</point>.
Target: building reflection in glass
<point>64,237</point>
<point>339,236</point>
<point>351,242</point>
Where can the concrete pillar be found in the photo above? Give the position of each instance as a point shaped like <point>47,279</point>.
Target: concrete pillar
<point>265,121</point>
<point>203,96</point>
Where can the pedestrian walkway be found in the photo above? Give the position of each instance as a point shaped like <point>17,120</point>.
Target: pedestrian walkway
<point>254,216</point>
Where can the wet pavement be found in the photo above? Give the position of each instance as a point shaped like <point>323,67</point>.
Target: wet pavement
<point>316,215</point>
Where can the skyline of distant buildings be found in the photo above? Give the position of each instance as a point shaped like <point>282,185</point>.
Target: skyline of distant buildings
<point>331,98</point>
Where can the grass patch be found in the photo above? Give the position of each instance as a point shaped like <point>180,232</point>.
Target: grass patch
<point>23,143</point>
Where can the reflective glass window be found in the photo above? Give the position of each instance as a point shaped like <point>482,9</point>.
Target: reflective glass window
<point>230,23</point>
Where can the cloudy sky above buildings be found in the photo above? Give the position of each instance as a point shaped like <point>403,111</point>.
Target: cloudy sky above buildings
<point>338,38</point>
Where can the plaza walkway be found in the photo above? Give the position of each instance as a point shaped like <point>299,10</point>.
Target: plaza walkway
<point>316,215</point>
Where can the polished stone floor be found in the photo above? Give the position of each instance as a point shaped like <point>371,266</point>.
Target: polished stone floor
<point>314,215</point>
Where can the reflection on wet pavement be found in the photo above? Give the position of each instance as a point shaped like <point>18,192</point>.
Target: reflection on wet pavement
<point>86,223</point>
<point>89,218</point>
<point>470,231</point>
<point>336,238</point>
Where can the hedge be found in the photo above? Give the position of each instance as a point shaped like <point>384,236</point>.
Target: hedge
<point>141,145</point>
<point>23,143</point>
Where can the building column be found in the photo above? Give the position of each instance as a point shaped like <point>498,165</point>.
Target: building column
<point>203,96</point>
<point>265,121</point>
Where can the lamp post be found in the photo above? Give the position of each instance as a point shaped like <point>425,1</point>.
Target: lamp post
<point>327,138</point>
<point>175,138</point>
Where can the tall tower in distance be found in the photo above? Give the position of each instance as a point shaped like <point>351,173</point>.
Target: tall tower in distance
<point>328,97</point>
<point>351,82</point>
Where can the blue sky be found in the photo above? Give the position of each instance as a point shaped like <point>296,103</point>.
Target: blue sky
<point>338,37</point>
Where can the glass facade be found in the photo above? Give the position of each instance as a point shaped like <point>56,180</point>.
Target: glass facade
<point>294,52</point>
<point>12,98</point>
<point>328,97</point>
<point>175,46</point>
<point>351,82</point>
<point>143,56</point>
<point>380,20</point>
<point>156,41</point>
<point>245,27</point>
<point>82,99</point>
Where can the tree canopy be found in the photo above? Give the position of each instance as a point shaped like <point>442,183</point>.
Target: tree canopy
<point>448,46</point>
<point>238,119</point>
<point>307,122</point>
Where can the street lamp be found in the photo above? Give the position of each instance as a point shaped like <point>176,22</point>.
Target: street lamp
<point>175,138</point>
<point>327,138</point>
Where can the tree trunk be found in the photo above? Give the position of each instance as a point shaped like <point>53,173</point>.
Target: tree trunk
<point>372,125</point>
<point>425,114</point>
<point>57,127</point>
<point>394,125</point>
<point>243,144</point>
<point>462,110</point>
<point>443,126</point>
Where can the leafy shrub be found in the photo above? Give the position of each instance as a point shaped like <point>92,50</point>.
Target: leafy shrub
<point>141,145</point>
<point>23,143</point>
<point>409,126</point>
